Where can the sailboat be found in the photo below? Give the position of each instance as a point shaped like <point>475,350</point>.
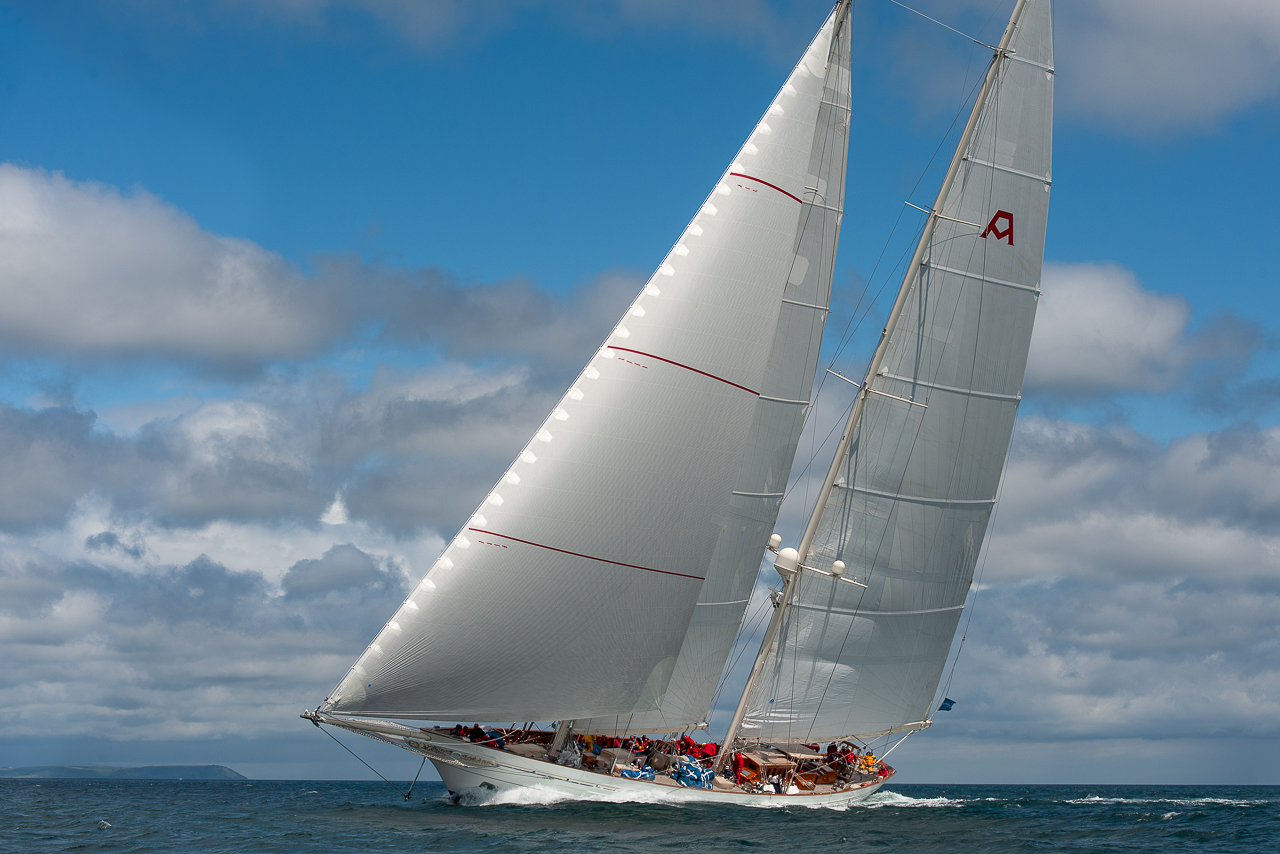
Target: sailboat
<point>601,584</point>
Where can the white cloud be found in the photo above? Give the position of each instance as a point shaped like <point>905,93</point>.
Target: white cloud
<point>1130,589</point>
<point>1098,331</point>
<point>1148,67</point>
<point>1155,65</point>
<point>89,272</point>
<point>180,652</point>
<point>337,512</point>
<point>94,274</point>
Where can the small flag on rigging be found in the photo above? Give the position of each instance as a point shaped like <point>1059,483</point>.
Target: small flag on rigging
<point>946,705</point>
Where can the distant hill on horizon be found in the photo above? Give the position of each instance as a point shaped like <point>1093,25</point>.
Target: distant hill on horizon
<point>113,772</point>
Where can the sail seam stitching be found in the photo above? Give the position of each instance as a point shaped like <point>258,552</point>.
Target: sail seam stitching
<point>587,557</point>
<point>686,367</point>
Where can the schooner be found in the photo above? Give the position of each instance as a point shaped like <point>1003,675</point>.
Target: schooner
<point>602,582</point>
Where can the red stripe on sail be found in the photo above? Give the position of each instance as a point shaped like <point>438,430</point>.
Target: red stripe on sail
<point>588,557</point>
<point>686,367</point>
<point>767,184</point>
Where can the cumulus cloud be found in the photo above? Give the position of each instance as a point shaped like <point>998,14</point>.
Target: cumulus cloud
<point>1139,659</point>
<point>414,452</point>
<point>1148,67</point>
<point>180,651</point>
<point>226,460</point>
<point>1098,331</point>
<point>510,318</point>
<point>96,273</point>
<point>1129,593</point>
<point>1152,65</point>
<point>93,273</point>
<point>90,271</point>
<point>1130,589</point>
<point>1081,500</point>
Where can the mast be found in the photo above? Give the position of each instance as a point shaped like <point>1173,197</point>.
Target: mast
<point>789,570</point>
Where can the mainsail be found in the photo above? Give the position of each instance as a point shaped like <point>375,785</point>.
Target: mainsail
<point>621,545</point>
<point>914,491</point>
<point>813,133</point>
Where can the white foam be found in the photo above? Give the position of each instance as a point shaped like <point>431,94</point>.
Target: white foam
<point>543,796</point>
<point>894,799</point>
<point>1177,802</point>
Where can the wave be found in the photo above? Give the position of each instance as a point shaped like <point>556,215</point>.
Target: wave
<point>547,796</point>
<point>1177,802</point>
<point>884,798</point>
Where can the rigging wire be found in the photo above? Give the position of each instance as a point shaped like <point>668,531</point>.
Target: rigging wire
<point>939,23</point>
<point>847,336</point>
<point>366,764</point>
<point>408,796</point>
<point>1000,489</point>
<point>746,630</point>
<point>977,584</point>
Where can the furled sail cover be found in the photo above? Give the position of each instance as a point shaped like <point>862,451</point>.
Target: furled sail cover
<point>815,130</point>
<point>918,484</point>
<point>569,592</point>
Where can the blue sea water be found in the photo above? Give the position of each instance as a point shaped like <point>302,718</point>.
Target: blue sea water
<point>292,816</point>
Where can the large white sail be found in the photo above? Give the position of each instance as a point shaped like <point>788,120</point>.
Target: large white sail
<point>655,482</point>
<point>917,487</point>
<point>806,150</point>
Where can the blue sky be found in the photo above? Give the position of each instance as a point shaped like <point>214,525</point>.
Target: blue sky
<point>262,253</point>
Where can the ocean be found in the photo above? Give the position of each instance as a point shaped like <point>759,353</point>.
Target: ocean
<point>291,816</point>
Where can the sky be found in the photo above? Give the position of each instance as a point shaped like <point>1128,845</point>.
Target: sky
<point>286,284</point>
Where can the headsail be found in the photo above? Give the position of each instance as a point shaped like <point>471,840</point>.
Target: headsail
<point>804,143</point>
<point>655,482</point>
<point>916,488</point>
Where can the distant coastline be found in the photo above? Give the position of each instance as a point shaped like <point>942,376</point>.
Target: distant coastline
<point>112,772</point>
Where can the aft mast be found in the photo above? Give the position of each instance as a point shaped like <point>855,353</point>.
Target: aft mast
<point>790,563</point>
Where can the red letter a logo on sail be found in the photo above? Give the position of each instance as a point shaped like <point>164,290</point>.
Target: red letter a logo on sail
<point>1000,233</point>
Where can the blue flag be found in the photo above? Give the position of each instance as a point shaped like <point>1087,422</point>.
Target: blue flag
<point>946,705</point>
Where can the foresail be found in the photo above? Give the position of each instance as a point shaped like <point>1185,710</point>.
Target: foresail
<point>802,145</point>
<point>654,483</point>
<point>916,490</point>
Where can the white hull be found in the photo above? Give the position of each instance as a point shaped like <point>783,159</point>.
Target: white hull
<point>516,773</point>
<point>465,767</point>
